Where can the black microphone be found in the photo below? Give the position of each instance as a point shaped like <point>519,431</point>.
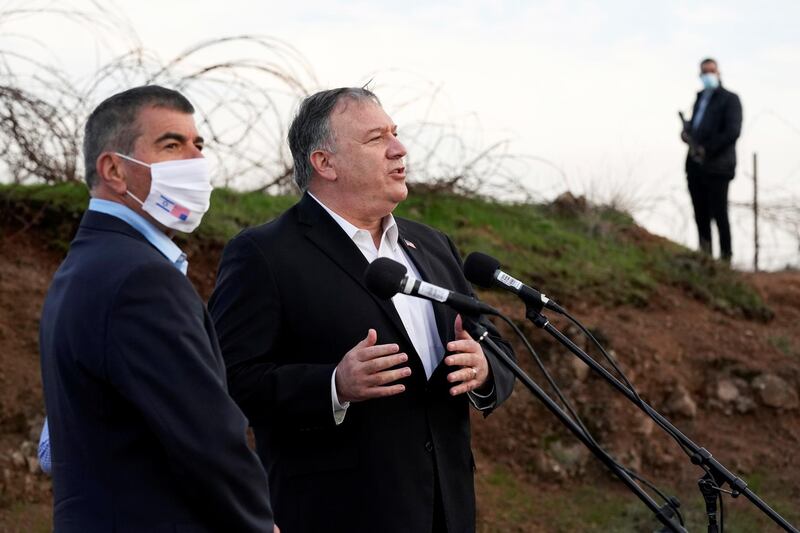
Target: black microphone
<point>484,270</point>
<point>385,278</point>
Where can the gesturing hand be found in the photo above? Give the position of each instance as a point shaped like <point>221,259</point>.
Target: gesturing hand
<point>364,372</point>
<point>473,368</point>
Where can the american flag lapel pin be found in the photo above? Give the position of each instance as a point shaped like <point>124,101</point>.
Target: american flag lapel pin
<point>410,244</point>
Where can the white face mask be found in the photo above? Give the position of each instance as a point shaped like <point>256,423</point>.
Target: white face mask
<point>180,192</point>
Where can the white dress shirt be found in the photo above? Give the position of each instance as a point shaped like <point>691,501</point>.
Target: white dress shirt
<point>415,313</point>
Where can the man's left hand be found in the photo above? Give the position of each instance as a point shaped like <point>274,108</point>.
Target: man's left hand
<point>472,369</point>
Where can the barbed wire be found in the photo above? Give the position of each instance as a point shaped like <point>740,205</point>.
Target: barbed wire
<point>245,89</point>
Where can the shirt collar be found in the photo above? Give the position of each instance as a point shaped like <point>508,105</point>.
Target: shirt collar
<point>389,225</point>
<point>154,236</point>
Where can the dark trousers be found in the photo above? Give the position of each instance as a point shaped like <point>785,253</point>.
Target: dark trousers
<point>709,194</point>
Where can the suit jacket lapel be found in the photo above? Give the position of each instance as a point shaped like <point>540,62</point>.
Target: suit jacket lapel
<point>326,234</point>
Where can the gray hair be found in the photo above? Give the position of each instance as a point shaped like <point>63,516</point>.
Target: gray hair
<point>311,129</point>
<point>113,125</point>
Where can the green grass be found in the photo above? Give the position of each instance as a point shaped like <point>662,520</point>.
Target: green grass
<point>516,507</point>
<point>64,198</point>
<point>231,211</point>
<point>560,254</point>
<point>596,254</point>
<point>609,508</point>
<point>599,254</point>
<point>54,210</point>
<point>784,345</point>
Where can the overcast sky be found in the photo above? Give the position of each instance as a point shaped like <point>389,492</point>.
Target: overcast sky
<point>593,87</point>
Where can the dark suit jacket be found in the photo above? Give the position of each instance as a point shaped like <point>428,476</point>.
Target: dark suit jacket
<point>143,434</point>
<point>717,133</point>
<point>289,303</point>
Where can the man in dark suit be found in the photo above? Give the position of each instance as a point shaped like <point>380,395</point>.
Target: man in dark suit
<point>711,162</point>
<point>144,436</point>
<point>359,405</point>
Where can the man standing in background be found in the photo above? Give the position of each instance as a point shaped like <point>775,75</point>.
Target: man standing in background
<point>711,162</point>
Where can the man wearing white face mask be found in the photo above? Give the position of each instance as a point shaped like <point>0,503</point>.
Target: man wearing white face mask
<point>143,434</point>
<point>711,162</point>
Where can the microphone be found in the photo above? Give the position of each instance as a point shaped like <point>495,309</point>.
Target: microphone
<point>484,270</point>
<point>385,278</point>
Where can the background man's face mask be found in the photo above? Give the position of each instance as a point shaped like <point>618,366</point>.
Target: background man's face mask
<point>710,80</point>
<point>180,192</point>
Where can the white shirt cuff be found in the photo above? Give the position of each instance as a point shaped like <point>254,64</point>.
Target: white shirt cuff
<point>339,410</point>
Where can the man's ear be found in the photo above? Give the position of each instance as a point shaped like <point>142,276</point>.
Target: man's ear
<point>110,174</point>
<point>321,161</point>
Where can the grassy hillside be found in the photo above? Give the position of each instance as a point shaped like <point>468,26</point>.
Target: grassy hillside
<point>568,250</point>
<point>656,303</point>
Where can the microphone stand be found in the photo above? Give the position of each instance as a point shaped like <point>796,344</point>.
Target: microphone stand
<point>709,489</point>
<point>479,332</point>
<point>716,473</point>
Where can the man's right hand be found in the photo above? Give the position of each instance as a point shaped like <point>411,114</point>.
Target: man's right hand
<point>364,372</point>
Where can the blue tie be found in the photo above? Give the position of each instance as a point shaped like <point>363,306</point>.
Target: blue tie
<point>701,109</point>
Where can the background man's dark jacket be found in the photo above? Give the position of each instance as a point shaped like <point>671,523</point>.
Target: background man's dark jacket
<point>717,132</point>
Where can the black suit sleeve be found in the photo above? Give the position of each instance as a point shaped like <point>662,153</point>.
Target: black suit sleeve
<point>247,311</point>
<point>732,127</point>
<point>160,358</point>
<point>502,376</point>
